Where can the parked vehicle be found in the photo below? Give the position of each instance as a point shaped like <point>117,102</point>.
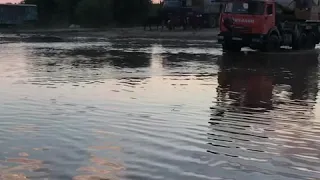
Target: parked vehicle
<point>267,25</point>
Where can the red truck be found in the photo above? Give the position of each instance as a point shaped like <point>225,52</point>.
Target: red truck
<point>266,25</point>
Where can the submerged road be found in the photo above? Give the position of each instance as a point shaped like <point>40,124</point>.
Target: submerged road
<point>157,109</point>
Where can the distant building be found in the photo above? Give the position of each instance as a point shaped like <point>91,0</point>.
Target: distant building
<point>18,14</point>
<point>172,3</point>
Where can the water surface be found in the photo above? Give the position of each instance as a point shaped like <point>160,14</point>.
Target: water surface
<point>151,109</point>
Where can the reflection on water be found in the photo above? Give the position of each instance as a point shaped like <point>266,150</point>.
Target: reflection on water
<point>142,109</point>
<point>263,120</point>
<point>261,81</point>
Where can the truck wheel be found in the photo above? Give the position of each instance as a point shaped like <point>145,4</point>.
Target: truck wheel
<point>231,48</point>
<point>301,42</point>
<point>212,22</point>
<point>217,21</point>
<point>272,44</point>
<point>310,41</point>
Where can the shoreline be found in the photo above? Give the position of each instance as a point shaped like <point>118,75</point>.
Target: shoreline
<point>136,32</point>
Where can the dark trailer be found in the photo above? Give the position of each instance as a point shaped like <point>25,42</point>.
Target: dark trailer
<point>18,14</point>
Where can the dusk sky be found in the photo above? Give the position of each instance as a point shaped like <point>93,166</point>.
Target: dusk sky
<point>12,1</point>
<point>16,1</point>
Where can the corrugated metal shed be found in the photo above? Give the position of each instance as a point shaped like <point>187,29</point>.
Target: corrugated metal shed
<point>15,14</point>
<point>172,3</point>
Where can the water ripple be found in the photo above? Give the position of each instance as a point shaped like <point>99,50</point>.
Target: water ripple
<point>148,109</point>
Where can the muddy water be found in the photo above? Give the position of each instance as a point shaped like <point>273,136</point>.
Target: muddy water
<point>146,109</point>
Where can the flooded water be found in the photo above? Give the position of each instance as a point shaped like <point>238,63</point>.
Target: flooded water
<point>138,109</point>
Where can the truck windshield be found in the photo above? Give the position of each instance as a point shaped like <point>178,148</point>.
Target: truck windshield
<point>255,8</point>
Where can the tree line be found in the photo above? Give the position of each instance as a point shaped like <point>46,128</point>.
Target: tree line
<point>92,13</point>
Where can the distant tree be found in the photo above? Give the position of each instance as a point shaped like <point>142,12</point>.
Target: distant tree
<point>131,11</point>
<point>67,9</point>
<point>94,12</point>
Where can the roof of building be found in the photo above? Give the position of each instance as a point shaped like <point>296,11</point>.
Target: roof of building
<point>18,5</point>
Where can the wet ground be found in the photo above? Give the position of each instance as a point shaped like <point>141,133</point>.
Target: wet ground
<point>166,109</point>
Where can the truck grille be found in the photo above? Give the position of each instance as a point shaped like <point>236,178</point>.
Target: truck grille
<point>242,29</point>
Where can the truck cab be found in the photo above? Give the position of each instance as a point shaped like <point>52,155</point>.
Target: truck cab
<point>261,24</point>
<point>254,17</point>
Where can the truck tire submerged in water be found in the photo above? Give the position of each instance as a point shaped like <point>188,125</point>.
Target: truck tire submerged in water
<point>272,44</point>
<point>213,21</point>
<point>300,43</point>
<point>311,41</point>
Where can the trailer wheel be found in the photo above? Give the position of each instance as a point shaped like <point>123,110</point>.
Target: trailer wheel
<point>272,44</point>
